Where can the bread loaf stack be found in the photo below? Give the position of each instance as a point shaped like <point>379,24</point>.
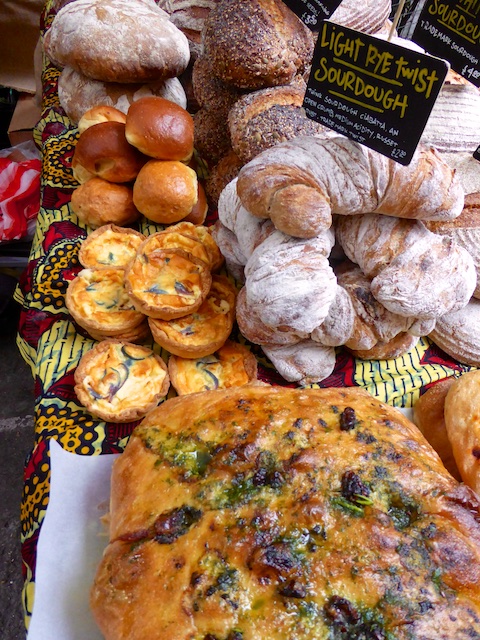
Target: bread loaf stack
<point>277,225</point>
<point>113,52</point>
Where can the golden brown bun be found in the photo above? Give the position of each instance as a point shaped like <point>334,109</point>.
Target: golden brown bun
<point>203,332</point>
<point>160,129</point>
<point>97,202</point>
<point>200,209</point>
<point>98,114</point>
<point>167,283</point>
<point>110,246</point>
<point>429,416</point>
<point>119,381</point>
<point>462,420</point>
<point>165,191</point>
<point>103,151</point>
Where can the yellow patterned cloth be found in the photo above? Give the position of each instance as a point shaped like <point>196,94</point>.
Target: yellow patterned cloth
<point>53,345</point>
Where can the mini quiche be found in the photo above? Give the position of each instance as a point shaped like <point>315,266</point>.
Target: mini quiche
<point>171,239</point>
<point>110,246</point>
<point>233,365</point>
<point>167,283</point>
<point>204,331</point>
<point>138,334</point>
<point>202,233</point>
<point>98,301</point>
<point>119,381</point>
<point>268,513</point>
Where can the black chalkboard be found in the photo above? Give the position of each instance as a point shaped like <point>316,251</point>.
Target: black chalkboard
<point>311,12</point>
<point>476,155</point>
<point>450,29</point>
<point>372,91</point>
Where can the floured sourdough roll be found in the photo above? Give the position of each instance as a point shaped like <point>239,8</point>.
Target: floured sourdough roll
<point>235,260</point>
<point>165,191</point>
<point>103,151</point>
<point>402,343</point>
<point>189,16</point>
<point>203,332</point>
<point>338,326</point>
<point>429,416</point>
<point>167,283</point>
<point>458,333</point>
<point>97,202</point>
<point>98,301</point>
<point>117,41</point>
<point>283,501</point>
<point>306,362</point>
<point>368,16</point>
<point>262,119</point>
<point>79,93</point>
<point>256,44</point>
<point>464,231</point>
<point>110,246</point>
<point>462,411</point>
<point>233,365</point>
<point>120,382</point>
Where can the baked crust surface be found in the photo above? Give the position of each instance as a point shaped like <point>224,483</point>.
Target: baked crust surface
<point>265,512</point>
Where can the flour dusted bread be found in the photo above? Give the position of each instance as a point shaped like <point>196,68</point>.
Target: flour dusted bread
<point>368,16</point>
<point>458,333</point>
<point>117,41</point>
<point>300,183</point>
<point>306,362</point>
<point>262,503</point>
<point>189,16</point>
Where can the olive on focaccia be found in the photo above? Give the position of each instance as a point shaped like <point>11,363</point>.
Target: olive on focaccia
<point>98,301</point>
<point>233,365</point>
<point>119,381</point>
<point>204,331</point>
<point>167,283</point>
<point>269,512</point>
<point>110,246</point>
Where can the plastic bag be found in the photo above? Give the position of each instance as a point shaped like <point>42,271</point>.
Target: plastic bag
<point>19,191</point>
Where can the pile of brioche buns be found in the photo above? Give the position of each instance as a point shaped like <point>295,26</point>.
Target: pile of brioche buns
<point>136,163</point>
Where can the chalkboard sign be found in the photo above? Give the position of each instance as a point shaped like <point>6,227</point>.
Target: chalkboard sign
<point>476,155</point>
<point>372,91</point>
<point>311,12</point>
<point>451,29</point>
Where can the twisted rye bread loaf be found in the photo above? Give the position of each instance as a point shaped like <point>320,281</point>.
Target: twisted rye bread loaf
<point>300,183</point>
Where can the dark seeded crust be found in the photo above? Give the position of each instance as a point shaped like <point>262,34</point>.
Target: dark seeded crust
<point>210,91</point>
<point>226,169</point>
<point>212,138</point>
<point>256,44</point>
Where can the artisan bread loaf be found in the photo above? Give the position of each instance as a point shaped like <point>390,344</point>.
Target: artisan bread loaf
<point>78,93</point>
<point>117,41</point>
<point>189,16</point>
<point>281,500</point>
<point>301,182</point>
<point>368,16</point>
<point>458,333</point>
<point>256,44</point>
<point>306,362</point>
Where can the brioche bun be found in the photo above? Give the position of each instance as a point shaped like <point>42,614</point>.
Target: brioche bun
<point>165,191</point>
<point>98,114</point>
<point>103,151</point>
<point>97,202</point>
<point>199,212</point>
<point>160,129</point>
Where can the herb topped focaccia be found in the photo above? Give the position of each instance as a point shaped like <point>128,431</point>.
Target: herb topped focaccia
<point>295,514</point>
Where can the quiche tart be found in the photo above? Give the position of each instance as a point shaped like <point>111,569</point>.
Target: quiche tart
<point>233,365</point>
<point>289,514</point>
<point>98,301</point>
<point>167,283</point>
<point>110,246</point>
<point>119,381</point>
<point>204,331</point>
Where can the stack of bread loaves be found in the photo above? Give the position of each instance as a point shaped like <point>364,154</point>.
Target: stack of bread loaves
<point>397,280</point>
<point>113,52</point>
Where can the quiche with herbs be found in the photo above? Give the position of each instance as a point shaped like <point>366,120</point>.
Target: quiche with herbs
<point>295,514</point>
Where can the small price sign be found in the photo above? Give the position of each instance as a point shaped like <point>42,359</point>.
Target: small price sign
<point>451,29</point>
<point>372,91</point>
<point>476,155</point>
<point>311,12</point>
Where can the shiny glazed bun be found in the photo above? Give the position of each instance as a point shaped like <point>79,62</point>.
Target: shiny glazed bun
<point>165,191</point>
<point>199,212</point>
<point>97,202</point>
<point>98,114</point>
<point>160,129</point>
<point>103,151</point>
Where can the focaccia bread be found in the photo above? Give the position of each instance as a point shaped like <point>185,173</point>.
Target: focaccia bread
<point>264,512</point>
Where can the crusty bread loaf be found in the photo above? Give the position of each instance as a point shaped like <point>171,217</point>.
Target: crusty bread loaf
<point>300,183</point>
<point>462,411</point>
<point>368,16</point>
<point>402,343</point>
<point>212,137</point>
<point>306,362</point>
<point>414,272</point>
<point>97,202</point>
<point>78,93</point>
<point>458,333</point>
<point>117,41</point>
<point>210,92</point>
<point>256,44</point>
<point>189,16</point>
<point>221,173</point>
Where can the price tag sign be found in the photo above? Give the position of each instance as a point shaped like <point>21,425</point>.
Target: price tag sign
<point>451,29</point>
<point>476,155</point>
<point>311,12</point>
<point>372,91</point>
